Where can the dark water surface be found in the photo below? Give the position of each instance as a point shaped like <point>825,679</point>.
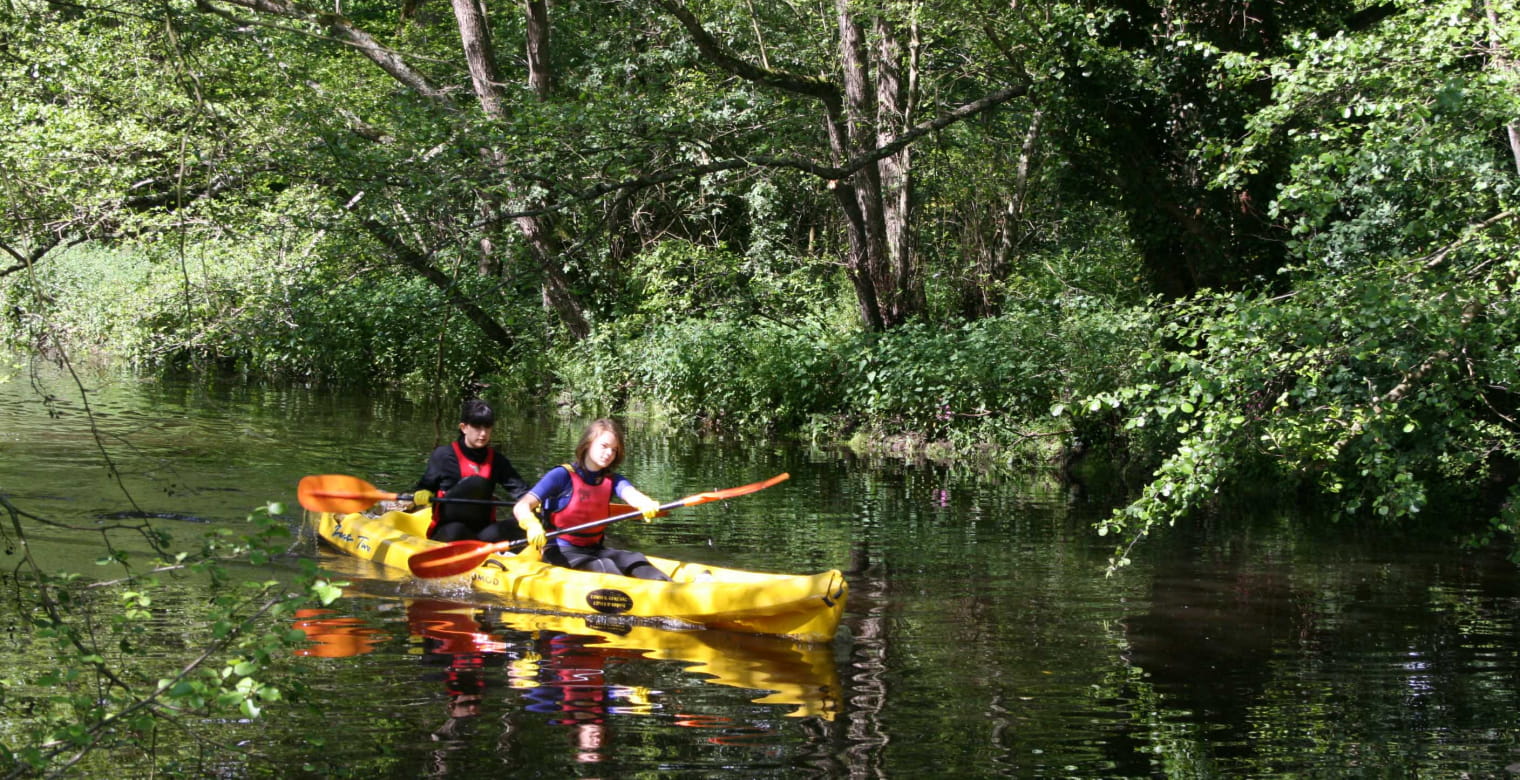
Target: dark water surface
<point>981,637</point>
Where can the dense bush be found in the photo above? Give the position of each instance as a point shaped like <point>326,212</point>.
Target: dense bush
<point>1363,390</point>
<point>717,373</point>
<point>973,386</point>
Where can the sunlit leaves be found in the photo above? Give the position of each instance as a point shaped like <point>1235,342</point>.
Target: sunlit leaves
<point>1352,385</point>
<point>327,592</point>
<point>1392,130</point>
<point>1386,377</point>
<point>100,693</point>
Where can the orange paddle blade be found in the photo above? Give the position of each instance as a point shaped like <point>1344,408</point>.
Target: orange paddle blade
<point>339,493</point>
<point>455,558</point>
<point>733,492</point>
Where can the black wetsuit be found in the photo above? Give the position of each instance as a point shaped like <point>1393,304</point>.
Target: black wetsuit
<point>443,476</point>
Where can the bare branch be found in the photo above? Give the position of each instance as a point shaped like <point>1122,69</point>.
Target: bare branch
<point>345,32</point>
<point>719,55</point>
<point>826,172</point>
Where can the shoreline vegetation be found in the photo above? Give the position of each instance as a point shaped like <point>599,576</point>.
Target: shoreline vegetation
<point>934,393</point>
<point>1223,250</point>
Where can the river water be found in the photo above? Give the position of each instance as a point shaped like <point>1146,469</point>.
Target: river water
<point>981,637</point>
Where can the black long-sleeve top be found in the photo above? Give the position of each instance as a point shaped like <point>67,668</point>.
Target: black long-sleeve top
<point>443,470</point>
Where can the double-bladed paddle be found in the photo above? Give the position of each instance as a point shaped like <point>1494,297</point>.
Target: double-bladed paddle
<point>463,556</point>
<point>340,493</point>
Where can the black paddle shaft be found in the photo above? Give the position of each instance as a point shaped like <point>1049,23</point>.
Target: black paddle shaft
<point>447,500</point>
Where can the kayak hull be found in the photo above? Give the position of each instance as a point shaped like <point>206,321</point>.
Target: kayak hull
<point>803,607</point>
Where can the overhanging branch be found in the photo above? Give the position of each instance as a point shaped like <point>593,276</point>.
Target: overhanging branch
<point>825,172</point>
<point>719,55</point>
<point>345,32</point>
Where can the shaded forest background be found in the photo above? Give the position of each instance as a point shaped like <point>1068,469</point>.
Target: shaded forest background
<point>1224,242</point>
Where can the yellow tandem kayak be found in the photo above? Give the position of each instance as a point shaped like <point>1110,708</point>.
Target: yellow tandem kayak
<point>803,607</point>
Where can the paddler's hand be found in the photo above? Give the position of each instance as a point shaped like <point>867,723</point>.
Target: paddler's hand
<point>535,530</point>
<point>649,509</point>
<point>526,512</point>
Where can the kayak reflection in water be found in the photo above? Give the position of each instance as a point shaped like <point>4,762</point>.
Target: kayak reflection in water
<point>471,468</point>
<point>581,492</point>
<point>569,681</point>
<point>454,641</point>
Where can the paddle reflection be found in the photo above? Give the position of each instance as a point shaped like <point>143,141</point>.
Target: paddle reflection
<point>454,642</point>
<point>335,637</point>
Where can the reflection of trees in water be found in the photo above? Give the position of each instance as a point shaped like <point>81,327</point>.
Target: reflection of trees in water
<point>1246,662</point>
<point>1204,649</point>
<point>1207,641</point>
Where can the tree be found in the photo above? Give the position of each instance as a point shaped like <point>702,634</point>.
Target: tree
<point>537,228</point>
<point>1134,105</point>
<point>868,121</point>
<point>1385,379</point>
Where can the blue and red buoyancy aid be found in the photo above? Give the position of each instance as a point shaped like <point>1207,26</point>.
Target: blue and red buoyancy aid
<point>588,503</point>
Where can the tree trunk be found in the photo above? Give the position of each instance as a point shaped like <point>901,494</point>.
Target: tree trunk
<point>478,55</point>
<point>887,288</point>
<point>894,101</point>
<point>1502,62</point>
<point>418,262</point>
<point>855,230</point>
<point>869,253</point>
<point>540,74</point>
<point>538,231</point>
<point>1003,233</point>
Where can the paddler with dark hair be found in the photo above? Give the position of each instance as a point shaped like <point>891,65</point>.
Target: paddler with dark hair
<point>469,467</point>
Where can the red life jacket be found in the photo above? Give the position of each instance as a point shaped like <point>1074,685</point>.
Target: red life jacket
<point>588,503</point>
<point>467,468</point>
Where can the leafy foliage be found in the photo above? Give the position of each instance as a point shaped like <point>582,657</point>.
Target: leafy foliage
<point>1385,379</point>
<point>1393,132</point>
<point>1321,194</point>
<point>252,308</point>
<point>99,703</point>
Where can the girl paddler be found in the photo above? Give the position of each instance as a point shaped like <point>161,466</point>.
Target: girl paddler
<point>581,492</point>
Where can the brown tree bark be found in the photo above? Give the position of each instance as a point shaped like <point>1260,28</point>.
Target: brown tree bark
<point>537,231</point>
<point>540,74</point>
<point>478,55</point>
<point>870,132</point>
<point>872,261</point>
<point>895,80</point>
